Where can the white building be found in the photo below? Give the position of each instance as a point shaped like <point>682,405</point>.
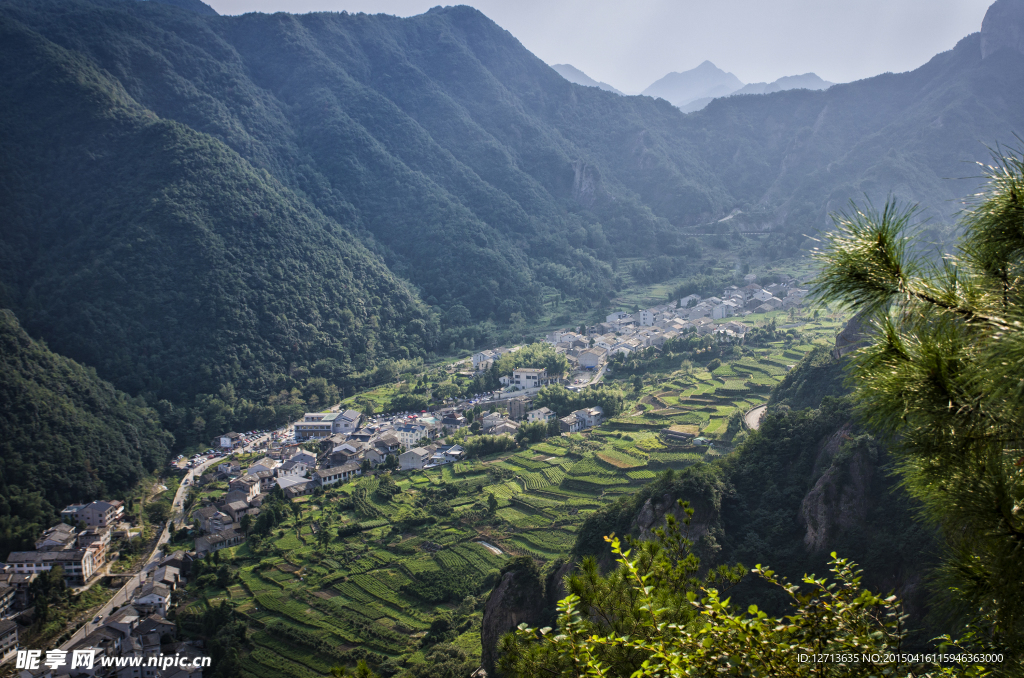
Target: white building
<point>483,359</point>
<point>528,377</point>
<point>649,317</point>
<point>95,514</point>
<point>540,414</point>
<point>324,424</point>
<point>78,564</point>
<point>590,417</point>
<point>155,596</point>
<point>591,359</point>
<point>8,640</point>
<point>410,434</point>
<point>416,458</point>
<point>448,454</point>
<point>339,474</point>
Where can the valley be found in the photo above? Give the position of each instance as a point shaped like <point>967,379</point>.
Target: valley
<point>472,314</point>
<point>398,573</point>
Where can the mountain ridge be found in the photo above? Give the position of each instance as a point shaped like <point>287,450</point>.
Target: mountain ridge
<point>575,75</point>
<point>706,81</point>
<point>692,90</point>
<point>430,159</point>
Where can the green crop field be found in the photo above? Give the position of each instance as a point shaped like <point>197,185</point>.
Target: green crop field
<point>313,603</point>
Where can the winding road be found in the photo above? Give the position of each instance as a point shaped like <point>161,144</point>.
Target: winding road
<point>753,417</point>
<point>124,594</point>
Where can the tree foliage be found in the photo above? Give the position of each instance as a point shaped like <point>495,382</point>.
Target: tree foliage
<point>65,435</point>
<point>563,401</point>
<point>940,372</point>
<point>651,617</point>
<point>540,355</point>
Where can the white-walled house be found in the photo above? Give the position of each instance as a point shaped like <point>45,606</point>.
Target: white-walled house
<point>591,359</point>
<point>155,596</point>
<point>339,474</point>
<point>540,414</point>
<point>416,458</point>
<point>528,377</point>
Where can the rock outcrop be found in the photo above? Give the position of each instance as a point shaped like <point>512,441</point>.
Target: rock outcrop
<point>704,529</point>
<point>1003,27</point>
<point>517,599</point>
<point>851,338</point>
<point>839,500</point>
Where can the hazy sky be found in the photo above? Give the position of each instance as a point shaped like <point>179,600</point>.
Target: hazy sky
<point>632,44</point>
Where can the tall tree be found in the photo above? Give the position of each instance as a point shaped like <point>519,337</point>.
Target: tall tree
<point>940,371</point>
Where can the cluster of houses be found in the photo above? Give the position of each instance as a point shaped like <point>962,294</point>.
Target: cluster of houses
<point>414,439</point>
<point>81,550</point>
<point>79,545</point>
<point>623,333</point>
<point>138,629</point>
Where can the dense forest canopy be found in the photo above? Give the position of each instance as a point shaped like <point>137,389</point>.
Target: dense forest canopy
<point>220,212</point>
<point>65,435</point>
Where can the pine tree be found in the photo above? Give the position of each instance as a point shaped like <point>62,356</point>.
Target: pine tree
<point>941,371</point>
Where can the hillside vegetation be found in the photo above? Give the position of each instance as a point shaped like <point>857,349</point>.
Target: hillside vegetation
<point>179,271</point>
<point>397,568</point>
<point>220,212</point>
<point>65,435</point>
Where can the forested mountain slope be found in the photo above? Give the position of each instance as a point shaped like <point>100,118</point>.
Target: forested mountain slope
<point>196,200</point>
<point>157,255</point>
<point>65,435</point>
<point>914,135</point>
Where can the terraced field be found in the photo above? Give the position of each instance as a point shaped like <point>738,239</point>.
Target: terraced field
<point>375,592</point>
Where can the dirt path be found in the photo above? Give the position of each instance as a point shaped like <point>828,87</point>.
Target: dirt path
<point>753,417</point>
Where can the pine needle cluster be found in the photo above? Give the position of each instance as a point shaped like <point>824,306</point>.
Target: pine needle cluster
<point>942,372</point>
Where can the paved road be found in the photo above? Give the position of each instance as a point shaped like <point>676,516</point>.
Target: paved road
<point>753,417</point>
<point>186,484</point>
<point>124,594</point>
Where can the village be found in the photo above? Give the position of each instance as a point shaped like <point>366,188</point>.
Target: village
<point>134,622</point>
<point>328,448</point>
<point>624,333</point>
<point>349,444</point>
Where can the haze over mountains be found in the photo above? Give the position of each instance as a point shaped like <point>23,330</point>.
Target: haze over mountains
<point>575,75</point>
<point>226,216</point>
<point>694,89</point>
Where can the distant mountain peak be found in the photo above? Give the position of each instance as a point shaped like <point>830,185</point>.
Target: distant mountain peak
<point>575,75</point>
<point>706,81</point>
<point>692,90</point>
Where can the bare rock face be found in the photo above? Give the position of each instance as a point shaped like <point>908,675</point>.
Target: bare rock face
<point>517,599</point>
<point>840,498</point>
<point>851,338</point>
<point>703,527</point>
<point>1003,27</point>
<point>585,183</point>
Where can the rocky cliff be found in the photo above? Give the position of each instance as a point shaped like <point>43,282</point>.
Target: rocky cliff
<point>838,499</point>
<point>517,599</point>
<point>1003,27</point>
